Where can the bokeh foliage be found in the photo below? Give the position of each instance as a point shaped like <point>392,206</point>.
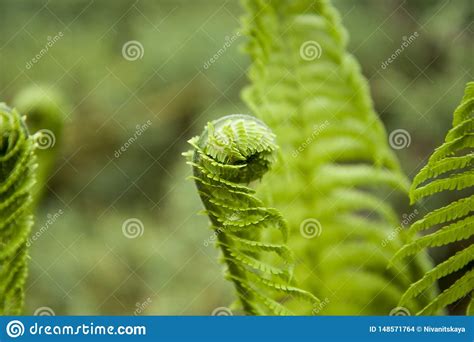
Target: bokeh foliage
<point>83,264</point>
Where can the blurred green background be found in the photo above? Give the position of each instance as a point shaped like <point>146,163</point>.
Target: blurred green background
<point>83,263</point>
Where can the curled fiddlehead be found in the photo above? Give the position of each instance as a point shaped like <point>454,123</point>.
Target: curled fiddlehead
<point>230,153</point>
<point>17,164</point>
<point>448,169</point>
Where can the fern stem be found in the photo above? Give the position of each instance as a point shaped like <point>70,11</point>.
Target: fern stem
<point>232,151</point>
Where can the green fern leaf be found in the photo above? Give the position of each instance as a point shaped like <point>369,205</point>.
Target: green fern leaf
<point>334,152</point>
<point>17,171</point>
<point>453,161</point>
<point>232,151</point>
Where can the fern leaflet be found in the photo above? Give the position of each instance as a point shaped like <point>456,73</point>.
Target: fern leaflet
<point>449,168</point>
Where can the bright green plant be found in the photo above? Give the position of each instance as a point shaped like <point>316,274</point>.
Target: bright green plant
<point>231,152</point>
<point>448,169</point>
<point>17,177</point>
<point>329,178</point>
<point>337,169</point>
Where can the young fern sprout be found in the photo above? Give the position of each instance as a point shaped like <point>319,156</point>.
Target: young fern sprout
<point>449,169</point>
<point>17,177</point>
<point>232,152</point>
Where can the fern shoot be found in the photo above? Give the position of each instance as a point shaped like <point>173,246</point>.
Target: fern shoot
<point>335,156</point>
<point>448,169</point>
<point>17,177</point>
<point>232,152</point>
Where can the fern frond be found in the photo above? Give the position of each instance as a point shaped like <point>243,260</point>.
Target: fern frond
<point>232,151</point>
<point>452,161</point>
<point>335,158</point>
<point>17,167</point>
